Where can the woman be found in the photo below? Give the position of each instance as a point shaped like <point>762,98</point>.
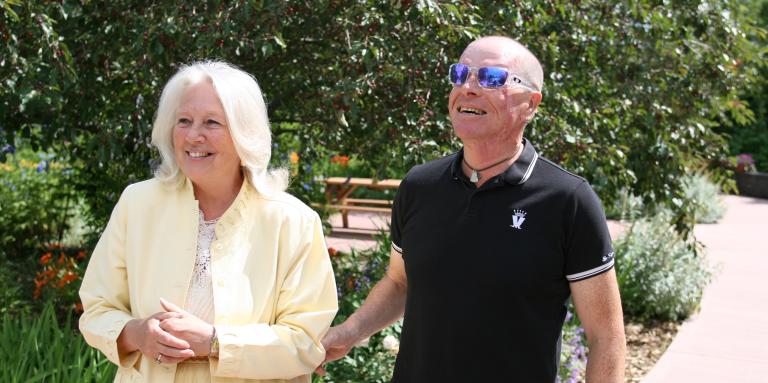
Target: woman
<point>209,271</point>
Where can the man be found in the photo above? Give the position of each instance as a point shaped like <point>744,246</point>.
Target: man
<point>489,243</point>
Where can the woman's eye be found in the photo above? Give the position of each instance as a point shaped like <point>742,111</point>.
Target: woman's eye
<point>183,121</point>
<point>213,122</point>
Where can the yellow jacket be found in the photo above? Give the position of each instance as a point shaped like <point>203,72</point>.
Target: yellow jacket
<point>273,287</point>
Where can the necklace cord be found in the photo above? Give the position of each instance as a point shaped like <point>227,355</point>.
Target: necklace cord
<point>490,166</point>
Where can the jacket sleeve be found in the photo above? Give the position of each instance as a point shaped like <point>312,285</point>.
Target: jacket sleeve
<point>104,291</point>
<point>305,307</point>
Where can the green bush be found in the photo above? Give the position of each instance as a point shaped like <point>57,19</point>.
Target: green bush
<point>700,201</point>
<point>36,198</point>
<point>704,196</point>
<point>15,289</point>
<point>356,273</point>
<point>660,275</point>
<point>40,348</point>
<point>632,93</point>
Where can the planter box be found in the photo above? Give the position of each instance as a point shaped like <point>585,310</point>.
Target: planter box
<point>754,184</point>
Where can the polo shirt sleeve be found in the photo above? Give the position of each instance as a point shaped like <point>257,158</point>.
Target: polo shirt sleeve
<point>589,251</point>
<point>398,213</point>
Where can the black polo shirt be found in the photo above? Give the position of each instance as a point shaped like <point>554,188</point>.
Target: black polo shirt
<point>489,268</point>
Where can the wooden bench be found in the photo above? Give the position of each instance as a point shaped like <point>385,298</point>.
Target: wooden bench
<point>338,190</point>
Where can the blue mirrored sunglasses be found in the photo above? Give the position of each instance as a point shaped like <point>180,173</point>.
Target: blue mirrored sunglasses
<point>491,77</point>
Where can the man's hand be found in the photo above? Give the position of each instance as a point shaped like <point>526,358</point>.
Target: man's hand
<point>385,305</point>
<point>337,343</point>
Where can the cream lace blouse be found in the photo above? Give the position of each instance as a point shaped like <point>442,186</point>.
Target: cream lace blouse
<point>200,294</point>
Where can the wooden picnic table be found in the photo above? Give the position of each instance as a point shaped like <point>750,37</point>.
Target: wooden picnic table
<point>339,189</point>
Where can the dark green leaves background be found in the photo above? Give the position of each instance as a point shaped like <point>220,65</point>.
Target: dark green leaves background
<point>633,89</point>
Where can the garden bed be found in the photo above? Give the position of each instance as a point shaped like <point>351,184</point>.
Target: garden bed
<point>645,345</point>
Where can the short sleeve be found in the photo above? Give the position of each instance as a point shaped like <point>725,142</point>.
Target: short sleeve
<point>398,213</point>
<point>588,251</point>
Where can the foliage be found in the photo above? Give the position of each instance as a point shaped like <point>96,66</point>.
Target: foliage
<point>36,200</point>
<point>633,88</point>
<point>573,352</point>
<point>15,290</point>
<point>753,138</point>
<point>40,348</point>
<point>58,280</point>
<point>356,273</point>
<point>660,276</point>
<point>700,200</point>
<point>703,195</point>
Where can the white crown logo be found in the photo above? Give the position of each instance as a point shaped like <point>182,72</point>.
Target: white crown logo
<point>519,213</point>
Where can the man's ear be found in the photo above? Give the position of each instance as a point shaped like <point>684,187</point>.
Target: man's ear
<point>534,101</point>
<point>533,105</point>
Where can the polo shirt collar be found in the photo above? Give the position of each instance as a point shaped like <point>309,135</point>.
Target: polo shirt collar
<point>516,174</point>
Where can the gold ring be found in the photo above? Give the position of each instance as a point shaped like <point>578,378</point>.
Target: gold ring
<point>159,359</point>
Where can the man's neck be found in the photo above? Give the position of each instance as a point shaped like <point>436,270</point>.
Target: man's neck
<point>479,155</point>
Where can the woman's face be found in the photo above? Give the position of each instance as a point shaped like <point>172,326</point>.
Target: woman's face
<point>202,144</point>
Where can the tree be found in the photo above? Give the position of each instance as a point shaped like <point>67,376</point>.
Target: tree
<point>631,95</point>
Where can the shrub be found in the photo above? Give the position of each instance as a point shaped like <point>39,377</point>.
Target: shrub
<point>36,198</point>
<point>356,273</point>
<point>702,194</point>
<point>41,348</point>
<point>660,275</point>
<point>58,279</point>
<point>573,352</point>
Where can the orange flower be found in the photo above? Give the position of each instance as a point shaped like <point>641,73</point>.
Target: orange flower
<point>332,252</point>
<point>69,277</point>
<point>78,307</point>
<point>81,255</point>
<point>294,158</point>
<point>46,258</point>
<point>341,160</point>
<point>61,259</point>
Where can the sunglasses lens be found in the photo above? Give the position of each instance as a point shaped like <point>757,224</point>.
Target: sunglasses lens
<point>458,74</point>
<point>492,77</point>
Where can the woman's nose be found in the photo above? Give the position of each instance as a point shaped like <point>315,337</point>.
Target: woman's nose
<point>195,133</point>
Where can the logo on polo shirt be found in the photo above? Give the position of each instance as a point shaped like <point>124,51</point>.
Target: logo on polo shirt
<point>607,257</point>
<point>518,217</point>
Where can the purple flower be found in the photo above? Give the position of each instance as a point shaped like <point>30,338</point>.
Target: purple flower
<point>745,158</point>
<point>8,148</point>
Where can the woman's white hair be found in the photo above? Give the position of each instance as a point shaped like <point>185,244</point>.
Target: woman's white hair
<point>247,120</point>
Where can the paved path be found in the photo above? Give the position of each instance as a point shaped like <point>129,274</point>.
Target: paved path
<point>727,341</point>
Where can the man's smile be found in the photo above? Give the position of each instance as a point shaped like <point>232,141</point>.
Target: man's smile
<point>470,110</point>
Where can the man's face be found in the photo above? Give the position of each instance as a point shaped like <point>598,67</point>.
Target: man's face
<point>488,115</point>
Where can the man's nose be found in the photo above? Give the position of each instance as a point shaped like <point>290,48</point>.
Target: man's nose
<point>471,86</point>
